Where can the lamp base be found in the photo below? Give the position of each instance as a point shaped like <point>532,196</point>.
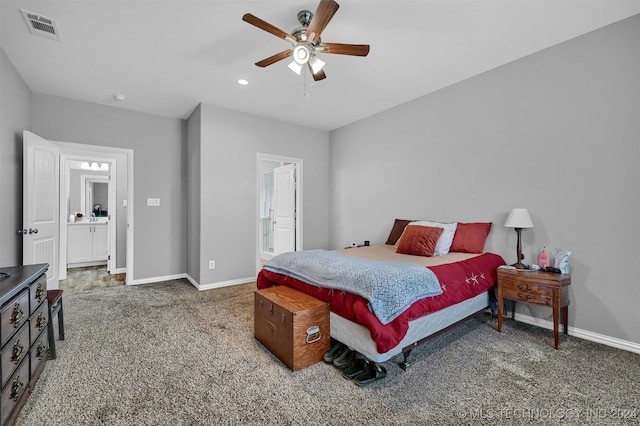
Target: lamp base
<point>519,265</point>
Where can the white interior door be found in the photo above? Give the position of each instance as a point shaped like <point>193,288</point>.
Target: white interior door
<point>40,192</point>
<point>284,209</point>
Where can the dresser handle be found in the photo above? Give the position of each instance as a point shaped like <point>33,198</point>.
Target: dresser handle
<point>16,316</point>
<point>40,293</point>
<point>17,352</point>
<point>521,287</point>
<point>42,349</point>
<point>528,296</point>
<point>16,389</point>
<point>41,322</point>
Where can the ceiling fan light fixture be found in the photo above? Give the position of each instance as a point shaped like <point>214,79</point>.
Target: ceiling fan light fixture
<point>316,64</point>
<point>295,67</point>
<point>301,55</point>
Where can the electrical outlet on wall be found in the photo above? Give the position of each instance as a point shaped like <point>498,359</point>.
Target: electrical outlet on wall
<point>212,264</point>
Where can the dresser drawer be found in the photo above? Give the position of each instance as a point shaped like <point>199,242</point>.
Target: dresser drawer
<point>14,389</point>
<point>38,321</point>
<point>530,293</point>
<point>13,352</point>
<point>13,315</point>
<point>38,292</point>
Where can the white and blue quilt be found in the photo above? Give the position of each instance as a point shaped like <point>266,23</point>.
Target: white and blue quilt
<point>389,287</point>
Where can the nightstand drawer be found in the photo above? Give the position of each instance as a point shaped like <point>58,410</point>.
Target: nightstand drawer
<point>528,296</point>
<point>529,293</point>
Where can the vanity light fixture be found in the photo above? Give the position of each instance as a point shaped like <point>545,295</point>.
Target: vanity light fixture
<point>95,165</point>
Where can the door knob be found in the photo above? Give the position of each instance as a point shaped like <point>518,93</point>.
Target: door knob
<point>22,231</point>
<point>33,231</point>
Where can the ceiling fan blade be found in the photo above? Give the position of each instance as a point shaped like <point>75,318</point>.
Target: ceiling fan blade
<point>344,49</point>
<point>320,75</point>
<point>325,11</point>
<point>264,25</point>
<point>275,58</point>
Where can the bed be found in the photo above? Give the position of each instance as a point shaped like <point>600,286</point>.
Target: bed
<point>465,278</point>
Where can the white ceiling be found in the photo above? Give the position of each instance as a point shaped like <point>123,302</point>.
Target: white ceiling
<point>167,56</point>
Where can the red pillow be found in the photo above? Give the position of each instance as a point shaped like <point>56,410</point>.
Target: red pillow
<point>470,237</point>
<point>419,240</point>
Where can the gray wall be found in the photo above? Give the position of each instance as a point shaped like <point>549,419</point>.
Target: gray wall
<point>157,142</point>
<point>15,115</point>
<point>556,132</point>
<point>229,144</point>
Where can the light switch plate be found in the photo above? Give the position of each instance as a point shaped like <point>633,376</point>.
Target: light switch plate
<point>153,202</point>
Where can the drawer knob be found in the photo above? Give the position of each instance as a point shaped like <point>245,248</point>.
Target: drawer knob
<point>522,287</point>
<point>16,389</point>
<point>16,353</point>
<point>16,316</point>
<point>521,296</point>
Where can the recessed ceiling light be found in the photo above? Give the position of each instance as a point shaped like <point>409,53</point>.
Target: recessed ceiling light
<point>243,82</point>
<point>120,97</point>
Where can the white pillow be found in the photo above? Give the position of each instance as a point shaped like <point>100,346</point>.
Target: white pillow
<point>446,238</point>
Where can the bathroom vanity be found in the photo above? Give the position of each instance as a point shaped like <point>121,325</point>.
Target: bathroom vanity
<point>87,242</point>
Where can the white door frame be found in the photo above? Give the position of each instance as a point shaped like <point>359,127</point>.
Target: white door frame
<point>299,214</point>
<point>96,151</point>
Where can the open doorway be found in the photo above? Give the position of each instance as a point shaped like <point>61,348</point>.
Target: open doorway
<point>97,182</point>
<point>88,188</point>
<point>279,212</point>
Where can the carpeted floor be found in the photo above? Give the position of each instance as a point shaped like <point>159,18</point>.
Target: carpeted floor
<point>166,354</point>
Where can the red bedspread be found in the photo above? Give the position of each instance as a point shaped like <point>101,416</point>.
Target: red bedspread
<point>459,281</point>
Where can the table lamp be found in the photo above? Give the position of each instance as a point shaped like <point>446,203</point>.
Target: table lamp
<point>518,219</point>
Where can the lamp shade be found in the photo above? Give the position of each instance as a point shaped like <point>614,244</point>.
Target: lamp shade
<point>519,218</point>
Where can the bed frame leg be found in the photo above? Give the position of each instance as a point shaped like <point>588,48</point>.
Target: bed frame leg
<point>405,364</point>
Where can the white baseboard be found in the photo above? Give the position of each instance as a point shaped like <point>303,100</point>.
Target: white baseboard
<point>119,271</point>
<point>583,334</point>
<point>219,284</point>
<point>158,279</point>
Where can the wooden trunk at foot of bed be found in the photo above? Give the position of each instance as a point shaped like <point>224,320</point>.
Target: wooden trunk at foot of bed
<point>292,325</point>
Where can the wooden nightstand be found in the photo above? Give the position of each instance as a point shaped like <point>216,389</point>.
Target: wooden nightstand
<point>537,288</point>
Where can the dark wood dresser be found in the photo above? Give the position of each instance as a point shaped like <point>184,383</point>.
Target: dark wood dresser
<point>23,333</point>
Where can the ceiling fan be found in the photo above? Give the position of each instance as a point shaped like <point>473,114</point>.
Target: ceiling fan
<point>305,40</point>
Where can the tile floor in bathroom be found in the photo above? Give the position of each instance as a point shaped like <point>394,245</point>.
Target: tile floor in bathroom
<point>90,278</point>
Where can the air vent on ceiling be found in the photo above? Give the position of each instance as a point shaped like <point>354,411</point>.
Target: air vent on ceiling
<point>41,25</point>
